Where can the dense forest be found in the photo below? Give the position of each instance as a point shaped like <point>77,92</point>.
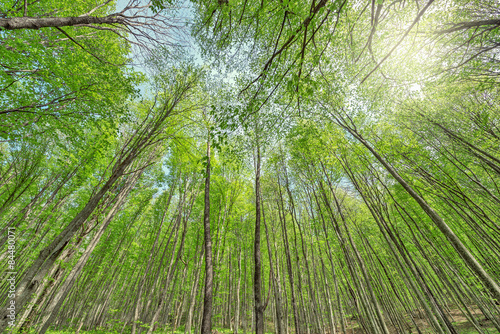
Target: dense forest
<point>250,166</point>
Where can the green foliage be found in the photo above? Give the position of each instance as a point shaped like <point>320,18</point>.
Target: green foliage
<point>329,93</point>
<point>59,88</point>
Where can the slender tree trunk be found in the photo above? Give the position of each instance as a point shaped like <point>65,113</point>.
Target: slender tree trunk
<point>194,289</point>
<point>238,286</point>
<point>257,281</point>
<point>277,297</point>
<point>206,323</point>
<point>282,215</point>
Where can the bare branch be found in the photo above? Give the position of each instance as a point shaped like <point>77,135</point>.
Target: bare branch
<point>468,25</point>
<point>136,23</point>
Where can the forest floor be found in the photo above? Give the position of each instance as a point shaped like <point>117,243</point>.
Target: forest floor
<point>460,322</point>
<point>456,317</point>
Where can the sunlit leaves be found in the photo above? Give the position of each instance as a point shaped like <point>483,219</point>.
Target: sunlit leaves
<point>58,83</point>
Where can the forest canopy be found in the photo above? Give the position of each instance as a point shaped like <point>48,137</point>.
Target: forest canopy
<point>291,166</point>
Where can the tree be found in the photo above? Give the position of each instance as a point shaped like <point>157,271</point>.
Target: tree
<point>362,137</point>
<point>75,67</point>
<point>206,325</point>
<point>142,23</point>
<point>294,49</point>
<point>144,138</point>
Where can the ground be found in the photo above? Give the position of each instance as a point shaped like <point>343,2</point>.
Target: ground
<point>460,322</point>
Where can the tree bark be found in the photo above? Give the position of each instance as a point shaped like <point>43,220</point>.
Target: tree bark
<point>238,287</point>
<point>257,282</point>
<point>206,323</point>
<point>27,22</point>
<point>194,290</point>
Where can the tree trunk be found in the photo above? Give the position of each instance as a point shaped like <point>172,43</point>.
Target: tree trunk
<point>257,282</point>
<point>206,323</point>
<point>192,304</point>
<point>27,22</point>
<point>238,286</point>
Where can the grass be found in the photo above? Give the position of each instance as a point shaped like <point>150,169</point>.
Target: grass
<point>462,326</point>
<point>177,331</point>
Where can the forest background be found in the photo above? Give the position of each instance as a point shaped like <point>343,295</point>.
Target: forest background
<point>264,166</point>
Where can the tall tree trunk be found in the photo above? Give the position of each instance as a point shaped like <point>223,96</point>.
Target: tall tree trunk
<point>277,296</point>
<point>238,286</point>
<point>257,281</point>
<point>282,215</point>
<point>206,322</point>
<point>194,289</point>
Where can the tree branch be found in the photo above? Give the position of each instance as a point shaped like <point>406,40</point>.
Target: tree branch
<point>468,25</point>
<point>27,22</point>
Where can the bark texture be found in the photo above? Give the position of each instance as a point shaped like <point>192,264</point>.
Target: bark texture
<point>27,22</point>
<point>206,323</point>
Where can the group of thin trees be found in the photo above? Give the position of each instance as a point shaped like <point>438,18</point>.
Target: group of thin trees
<point>348,179</point>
